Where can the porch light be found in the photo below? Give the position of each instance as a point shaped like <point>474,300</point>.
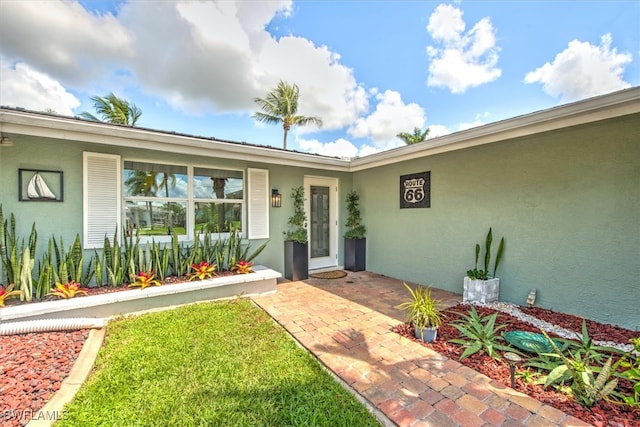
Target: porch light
<point>5,141</point>
<point>276,198</point>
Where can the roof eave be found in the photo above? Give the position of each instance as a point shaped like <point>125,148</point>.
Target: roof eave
<point>591,110</point>
<point>65,128</point>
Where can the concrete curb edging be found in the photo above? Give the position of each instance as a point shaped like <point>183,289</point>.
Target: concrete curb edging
<point>53,410</point>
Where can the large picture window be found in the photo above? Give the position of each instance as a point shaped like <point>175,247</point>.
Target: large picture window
<point>162,199</point>
<point>159,199</point>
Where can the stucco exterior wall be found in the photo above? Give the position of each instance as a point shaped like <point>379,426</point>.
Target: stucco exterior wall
<point>567,203</point>
<point>65,219</point>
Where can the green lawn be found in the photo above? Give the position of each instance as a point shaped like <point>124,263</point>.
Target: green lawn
<point>210,364</point>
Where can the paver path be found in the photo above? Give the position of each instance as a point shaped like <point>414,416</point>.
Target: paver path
<point>346,323</point>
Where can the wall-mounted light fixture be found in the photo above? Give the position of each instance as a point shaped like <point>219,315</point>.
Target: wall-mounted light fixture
<point>5,141</point>
<point>276,198</point>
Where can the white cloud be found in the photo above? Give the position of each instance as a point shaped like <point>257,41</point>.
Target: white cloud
<point>461,59</point>
<point>62,39</point>
<point>438,130</point>
<point>478,121</point>
<point>367,150</point>
<point>339,148</point>
<point>24,87</point>
<point>232,59</point>
<point>327,89</point>
<point>199,57</point>
<point>390,117</point>
<point>582,70</point>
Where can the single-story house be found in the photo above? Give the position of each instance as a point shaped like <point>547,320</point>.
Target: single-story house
<point>561,185</point>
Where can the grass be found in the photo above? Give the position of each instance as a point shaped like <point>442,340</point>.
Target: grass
<point>210,364</point>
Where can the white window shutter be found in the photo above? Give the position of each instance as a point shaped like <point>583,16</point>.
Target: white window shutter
<point>258,203</point>
<point>101,195</point>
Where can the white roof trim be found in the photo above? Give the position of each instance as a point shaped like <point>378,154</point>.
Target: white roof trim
<point>603,107</point>
<point>591,110</point>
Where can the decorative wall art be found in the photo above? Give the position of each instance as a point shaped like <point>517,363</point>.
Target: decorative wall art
<point>415,190</point>
<point>39,185</point>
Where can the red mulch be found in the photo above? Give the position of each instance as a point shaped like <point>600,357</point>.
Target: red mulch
<point>32,366</point>
<point>602,414</point>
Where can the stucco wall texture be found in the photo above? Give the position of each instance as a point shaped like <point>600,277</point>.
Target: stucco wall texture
<point>567,203</point>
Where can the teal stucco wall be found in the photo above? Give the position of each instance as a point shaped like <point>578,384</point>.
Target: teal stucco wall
<point>567,203</point>
<point>65,219</point>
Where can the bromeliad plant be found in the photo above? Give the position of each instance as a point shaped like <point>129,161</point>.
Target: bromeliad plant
<point>144,279</point>
<point>7,292</point>
<point>68,290</point>
<point>243,267</point>
<point>202,271</point>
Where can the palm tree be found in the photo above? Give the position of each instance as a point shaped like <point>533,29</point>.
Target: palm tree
<point>280,106</point>
<point>114,110</point>
<point>417,136</point>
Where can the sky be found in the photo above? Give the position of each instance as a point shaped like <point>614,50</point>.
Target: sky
<point>369,69</point>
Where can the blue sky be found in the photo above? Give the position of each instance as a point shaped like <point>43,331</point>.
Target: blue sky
<point>369,69</point>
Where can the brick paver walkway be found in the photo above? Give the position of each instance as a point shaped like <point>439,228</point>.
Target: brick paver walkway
<point>346,323</point>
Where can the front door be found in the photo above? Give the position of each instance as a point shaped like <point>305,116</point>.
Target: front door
<point>321,206</point>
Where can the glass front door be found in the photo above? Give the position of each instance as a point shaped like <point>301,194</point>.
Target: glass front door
<point>319,226</point>
<point>322,213</point>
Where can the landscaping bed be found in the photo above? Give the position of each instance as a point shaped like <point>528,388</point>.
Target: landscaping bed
<point>602,414</point>
<point>32,368</point>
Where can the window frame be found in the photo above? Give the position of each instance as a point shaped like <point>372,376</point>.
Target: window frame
<point>190,199</point>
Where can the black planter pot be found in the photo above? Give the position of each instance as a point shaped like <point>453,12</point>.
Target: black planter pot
<point>355,254</point>
<point>296,260</point>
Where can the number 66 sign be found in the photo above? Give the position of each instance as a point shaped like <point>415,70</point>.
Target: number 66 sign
<point>415,190</point>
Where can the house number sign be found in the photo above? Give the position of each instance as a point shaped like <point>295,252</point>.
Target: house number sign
<point>415,190</point>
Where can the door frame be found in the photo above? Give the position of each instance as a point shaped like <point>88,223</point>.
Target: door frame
<point>330,261</point>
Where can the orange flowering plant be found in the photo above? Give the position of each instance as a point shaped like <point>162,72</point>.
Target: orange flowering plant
<point>202,271</point>
<point>243,267</point>
<point>7,292</point>
<point>144,279</point>
<point>68,290</point>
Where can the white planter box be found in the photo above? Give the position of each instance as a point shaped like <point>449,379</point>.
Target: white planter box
<point>262,281</point>
<point>483,291</point>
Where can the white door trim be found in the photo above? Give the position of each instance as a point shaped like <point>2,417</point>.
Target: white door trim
<point>332,183</point>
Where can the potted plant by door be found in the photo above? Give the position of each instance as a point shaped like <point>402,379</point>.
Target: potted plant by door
<point>424,312</point>
<point>479,285</point>
<point>296,253</point>
<point>355,244</point>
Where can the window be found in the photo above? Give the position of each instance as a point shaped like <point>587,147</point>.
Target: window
<point>160,199</point>
<point>218,199</point>
<point>156,197</point>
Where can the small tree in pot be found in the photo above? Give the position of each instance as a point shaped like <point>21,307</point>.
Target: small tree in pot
<point>296,252</point>
<point>479,285</point>
<point>355,244</point>
<point>423,312</point>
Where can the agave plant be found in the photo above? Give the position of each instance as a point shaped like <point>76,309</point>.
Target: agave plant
<point>479,334</point>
